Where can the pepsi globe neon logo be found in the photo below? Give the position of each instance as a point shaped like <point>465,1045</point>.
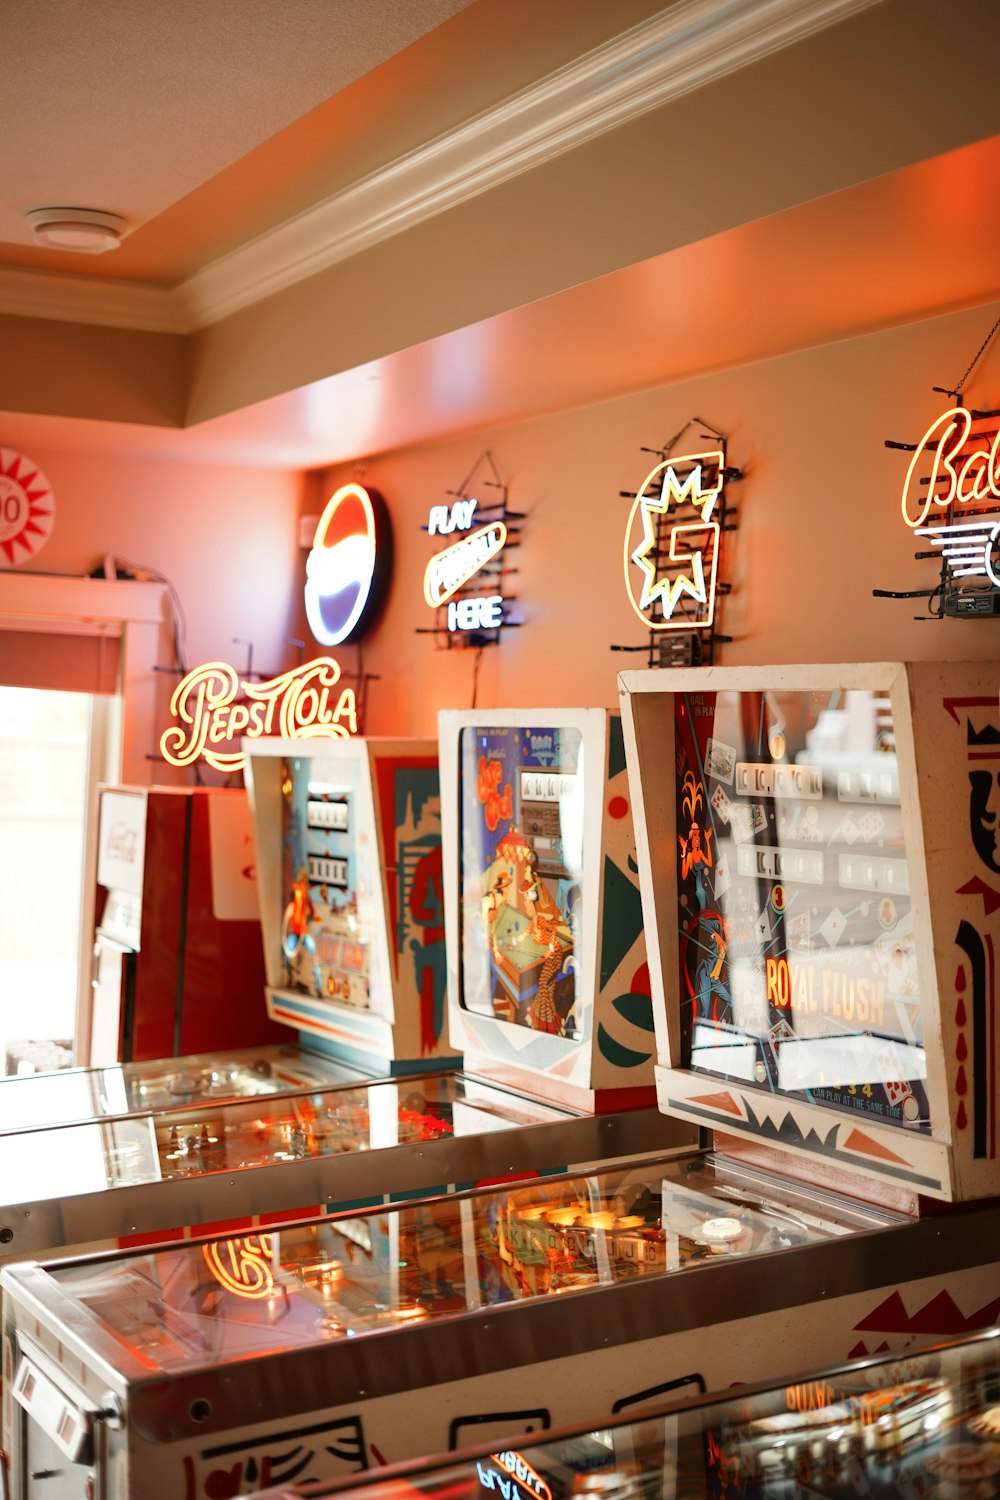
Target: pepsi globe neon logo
<point>347,571</point>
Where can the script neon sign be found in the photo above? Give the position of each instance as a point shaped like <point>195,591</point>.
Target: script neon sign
<point>692,548</point>
<point>215,708</point>
<point>447,571</point>
<point>243,1267</point>
<point>965,477</point>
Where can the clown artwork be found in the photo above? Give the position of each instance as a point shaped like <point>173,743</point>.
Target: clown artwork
<point>523,852</point>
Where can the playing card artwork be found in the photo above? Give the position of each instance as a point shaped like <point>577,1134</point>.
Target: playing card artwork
<point>798,970</point>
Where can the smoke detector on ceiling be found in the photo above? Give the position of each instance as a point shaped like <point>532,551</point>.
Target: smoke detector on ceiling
<point>88,231</point>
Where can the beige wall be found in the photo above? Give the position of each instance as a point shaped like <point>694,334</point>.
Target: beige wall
<point>819,525</point>
<point>838,108</point>
<point>819,529</point>
<point>224,537</point>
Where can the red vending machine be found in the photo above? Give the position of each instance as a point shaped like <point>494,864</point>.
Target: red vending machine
<point>178,961</point>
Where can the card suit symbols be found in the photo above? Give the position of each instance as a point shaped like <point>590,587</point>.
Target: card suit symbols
<point>833,928</point>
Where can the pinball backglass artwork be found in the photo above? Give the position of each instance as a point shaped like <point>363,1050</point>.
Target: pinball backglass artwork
<point>823,983</point>
<point>522,875</point>
<point>797,968</point>
<point>348,841</point>
<point>548,985</point>
<point>328,883</point>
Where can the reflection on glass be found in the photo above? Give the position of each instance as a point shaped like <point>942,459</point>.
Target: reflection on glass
<point>209,1137</point>
<point>346,1277</point>
<point>798,965</point>
<point>130,1088</point>
<point>919,1425</point>
<point>522,859</point>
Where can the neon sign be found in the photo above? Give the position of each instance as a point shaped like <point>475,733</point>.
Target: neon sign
<point>243,1267</point>
<point>464,579</point>
<point>972,477</point>
<point>347,571</point>
<point>959,476</point>
<point>450,570</point>
<point>456,565</point>
<point>215,708</point>
<point>682,562</point>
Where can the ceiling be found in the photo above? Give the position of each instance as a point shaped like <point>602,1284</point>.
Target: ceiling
<point>204,125</point>
<point>134,108</point>
<point>215,130</point>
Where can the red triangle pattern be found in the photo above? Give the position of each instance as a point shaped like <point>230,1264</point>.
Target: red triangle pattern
<point>857,1141</point>
<point>940,1315</point>
<point>719,1101</point>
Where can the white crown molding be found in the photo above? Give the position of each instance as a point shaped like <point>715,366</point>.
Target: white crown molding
<point>682,48</point>
<point>82,299</point>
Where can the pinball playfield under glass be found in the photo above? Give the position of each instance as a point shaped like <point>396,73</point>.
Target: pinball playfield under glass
<point>341,1277</point>
<point>205,1135</point>
<point>167,1083</point>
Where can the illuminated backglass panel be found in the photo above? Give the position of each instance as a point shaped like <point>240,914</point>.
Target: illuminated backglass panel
<point>798,971</point>
<point>327,920</point>
<point>521,811</point>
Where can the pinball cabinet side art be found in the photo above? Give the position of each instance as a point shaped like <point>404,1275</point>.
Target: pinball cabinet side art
<point>821,895</point>
<point>925,1426</point>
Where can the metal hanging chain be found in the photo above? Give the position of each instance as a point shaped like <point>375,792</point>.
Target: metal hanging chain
<point>959,388</point>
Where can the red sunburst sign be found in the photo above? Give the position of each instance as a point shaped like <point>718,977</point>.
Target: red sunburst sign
<point>27,508</point>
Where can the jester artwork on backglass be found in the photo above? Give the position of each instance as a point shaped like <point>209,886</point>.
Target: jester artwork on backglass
<point>798,971</point>
<point>327,918</point>
<point>522,857</point>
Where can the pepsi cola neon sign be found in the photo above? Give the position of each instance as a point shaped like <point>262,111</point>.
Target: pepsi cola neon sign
<point>214,709</point>
<point>347,571</point>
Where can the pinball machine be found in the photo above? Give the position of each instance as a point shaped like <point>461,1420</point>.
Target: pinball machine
<point>924,1425</point>
<point>364,1101</point>
<point>360,1339</point>
<point>816,1229</point>
<point>548,982</point>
